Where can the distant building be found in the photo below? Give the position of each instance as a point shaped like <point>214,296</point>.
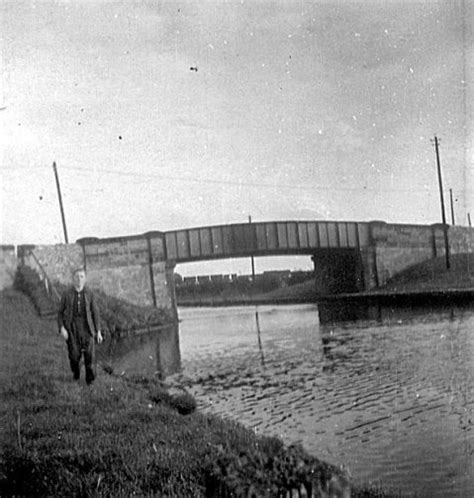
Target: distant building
<point>203,279</point>
<point>280,275</point>
<point>189,281</point>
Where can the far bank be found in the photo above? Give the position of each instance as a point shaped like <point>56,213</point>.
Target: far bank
<point>429,283</point>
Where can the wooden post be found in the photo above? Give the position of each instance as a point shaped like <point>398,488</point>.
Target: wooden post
<point>443,214</point>
<point>452,207</point>
<point>150,269</point>
<point>252,259</point>
<point>60,203</point>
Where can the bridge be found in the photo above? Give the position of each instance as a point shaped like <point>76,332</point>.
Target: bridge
<point>335,247</point>
<point>347,256</point>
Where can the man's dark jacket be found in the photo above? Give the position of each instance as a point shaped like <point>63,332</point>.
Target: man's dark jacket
<point>66,310</point>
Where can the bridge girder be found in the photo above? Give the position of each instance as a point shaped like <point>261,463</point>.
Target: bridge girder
<point>282,238</point>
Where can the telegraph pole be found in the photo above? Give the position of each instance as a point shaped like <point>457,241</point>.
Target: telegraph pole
<point>443,214</point>
<point>452,207</point>
<point>469,219</point>
<point>60,202</point>
<point>251,258</point>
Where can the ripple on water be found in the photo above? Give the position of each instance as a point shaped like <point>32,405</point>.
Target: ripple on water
<point>392,401</point>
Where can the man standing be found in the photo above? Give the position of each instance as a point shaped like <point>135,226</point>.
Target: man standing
<point>79,324</point>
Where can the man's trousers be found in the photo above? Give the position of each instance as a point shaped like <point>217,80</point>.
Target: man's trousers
<point>80,342</point>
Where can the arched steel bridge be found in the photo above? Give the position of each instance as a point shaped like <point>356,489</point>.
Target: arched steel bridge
<point>262,239</point>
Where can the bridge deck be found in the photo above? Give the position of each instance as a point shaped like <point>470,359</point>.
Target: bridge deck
<point>262,239</point>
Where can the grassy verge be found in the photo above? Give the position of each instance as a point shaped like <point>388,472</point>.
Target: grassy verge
<point>432,275</point>
<point>121,436</point>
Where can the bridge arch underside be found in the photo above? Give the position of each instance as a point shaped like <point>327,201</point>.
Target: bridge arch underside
<point>336,270</point>
<point>246,254</point>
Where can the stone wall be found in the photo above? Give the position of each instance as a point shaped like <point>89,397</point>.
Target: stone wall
<point>369,268</point>
<point>398,247</point>
<point>132,268</point>
<point>57,261</point>
<point>461,239</point>
<point>164,287</point>
<point>8,265</point>
<point>131,283</point>
<point>391,261</point>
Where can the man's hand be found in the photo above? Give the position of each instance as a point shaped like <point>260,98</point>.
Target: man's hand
<point>64,333</point>
<point>99,337</point>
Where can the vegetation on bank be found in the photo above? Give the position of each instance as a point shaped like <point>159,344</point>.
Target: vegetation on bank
<point>270,286</point>
<point>238,285</point>
<point>122,436</point>
<point>299,293</point>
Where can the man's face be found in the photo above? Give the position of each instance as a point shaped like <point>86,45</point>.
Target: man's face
<point>79,279</point>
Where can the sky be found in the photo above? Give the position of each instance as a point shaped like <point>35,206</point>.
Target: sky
<point>168,115</point>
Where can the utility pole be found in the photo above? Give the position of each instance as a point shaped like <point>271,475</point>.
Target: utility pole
<point>467,256</point>
<point>452,207</point>
<point>443,214</point>
<point>251,258</point>
<point>60,202</point>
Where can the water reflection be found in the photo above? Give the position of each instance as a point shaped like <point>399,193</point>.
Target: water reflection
<point>154,353</point>
<point>336,348</point>
<point>391,397</point>
<point>260,347</point>
<point>375,310</point>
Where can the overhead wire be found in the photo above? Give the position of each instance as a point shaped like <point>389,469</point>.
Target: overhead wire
<point>238,183</point>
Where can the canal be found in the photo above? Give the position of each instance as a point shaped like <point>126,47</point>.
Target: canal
<point>391,399</point>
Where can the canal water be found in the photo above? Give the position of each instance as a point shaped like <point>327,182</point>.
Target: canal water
<point>391,399</point>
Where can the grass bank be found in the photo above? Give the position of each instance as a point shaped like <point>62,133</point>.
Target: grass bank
<point>122,436</point>
<point>432,275</point>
